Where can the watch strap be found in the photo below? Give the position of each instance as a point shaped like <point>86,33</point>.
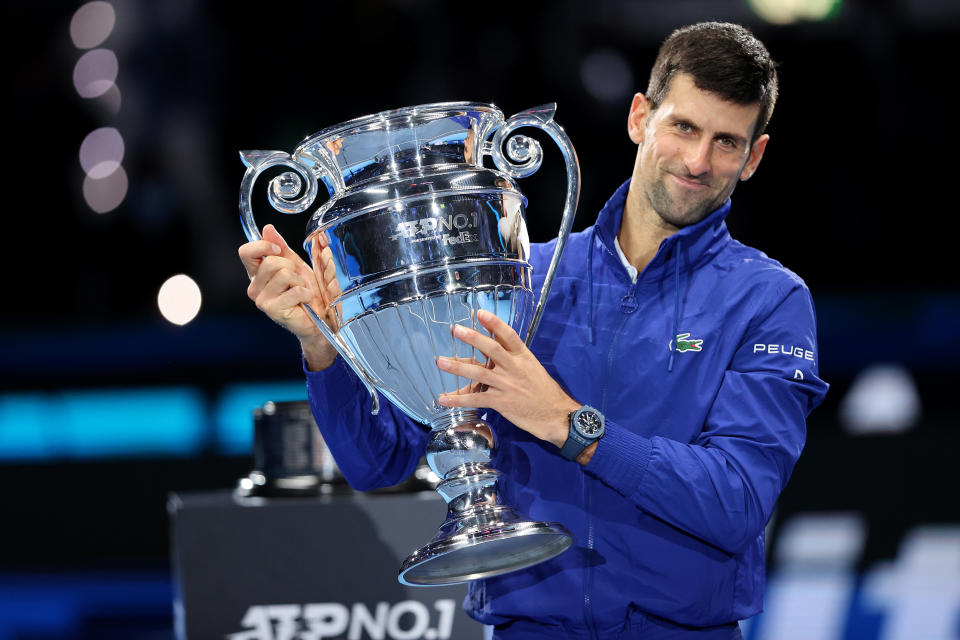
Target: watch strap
<point>574,445</point>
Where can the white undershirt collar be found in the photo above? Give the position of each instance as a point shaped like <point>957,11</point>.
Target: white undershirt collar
<point>632,270</point>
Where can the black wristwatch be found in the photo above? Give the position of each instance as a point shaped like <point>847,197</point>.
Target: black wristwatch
<point>586,427</point>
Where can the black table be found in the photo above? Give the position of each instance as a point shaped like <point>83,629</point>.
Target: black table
<point>308,568</point>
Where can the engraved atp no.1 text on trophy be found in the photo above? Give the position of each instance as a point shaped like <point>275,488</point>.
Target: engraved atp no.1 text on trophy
<point>421,237</point>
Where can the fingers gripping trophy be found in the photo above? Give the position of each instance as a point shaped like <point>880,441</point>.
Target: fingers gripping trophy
<point>416,237</point>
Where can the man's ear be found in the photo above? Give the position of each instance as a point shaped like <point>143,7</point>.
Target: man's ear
<point>756,155</point>
<point>637,119</point>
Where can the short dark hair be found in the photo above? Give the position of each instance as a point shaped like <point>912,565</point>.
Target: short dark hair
<point>722,58</point>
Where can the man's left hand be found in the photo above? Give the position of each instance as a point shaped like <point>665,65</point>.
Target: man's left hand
<point>517,385</point>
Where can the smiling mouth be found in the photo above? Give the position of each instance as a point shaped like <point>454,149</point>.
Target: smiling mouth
<point>688,183</point>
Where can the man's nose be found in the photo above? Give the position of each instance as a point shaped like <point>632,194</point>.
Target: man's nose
<point>697,158</point>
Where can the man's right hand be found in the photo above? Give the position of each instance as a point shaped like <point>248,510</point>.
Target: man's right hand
<point>280,281</point>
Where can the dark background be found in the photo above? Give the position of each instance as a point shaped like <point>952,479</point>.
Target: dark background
<point>856,194</point>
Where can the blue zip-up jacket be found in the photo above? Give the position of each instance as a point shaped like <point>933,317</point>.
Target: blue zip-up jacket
<point>702,433</point>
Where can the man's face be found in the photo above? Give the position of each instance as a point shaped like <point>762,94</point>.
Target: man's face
<point>692,151</point>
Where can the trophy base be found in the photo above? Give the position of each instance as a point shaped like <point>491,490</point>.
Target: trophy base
<point>483,553</point>
<point>480,537</point>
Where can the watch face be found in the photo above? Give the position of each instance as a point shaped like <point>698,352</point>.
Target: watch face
<point>588,423</point>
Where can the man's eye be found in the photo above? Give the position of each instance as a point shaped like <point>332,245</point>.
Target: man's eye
<point>684,127</point>
<point>729,143</point>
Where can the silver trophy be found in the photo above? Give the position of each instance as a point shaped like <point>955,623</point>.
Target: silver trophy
<point>417,236</point>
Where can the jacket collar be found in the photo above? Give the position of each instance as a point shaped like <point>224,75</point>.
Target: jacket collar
<point>699,242</point>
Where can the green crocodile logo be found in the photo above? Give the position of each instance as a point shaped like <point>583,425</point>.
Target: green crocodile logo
<point>683,344</point>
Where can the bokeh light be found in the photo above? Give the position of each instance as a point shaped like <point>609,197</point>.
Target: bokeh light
<point>790,11</point>
<point>179,299</point>
<point>107,193</point>
<point>95,72</point>
<point>101,152</point>
<point>607,76</point>
<point>883,398</point>
<point>92,24</point>
<point>111,101</point>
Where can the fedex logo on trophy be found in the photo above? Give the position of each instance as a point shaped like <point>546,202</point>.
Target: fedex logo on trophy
<point>450,229</point>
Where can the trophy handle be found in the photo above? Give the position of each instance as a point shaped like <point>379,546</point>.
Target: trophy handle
<point>283,195</point>
<point>524,156</point>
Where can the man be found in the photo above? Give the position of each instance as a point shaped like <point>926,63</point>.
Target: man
<point>691,358</point>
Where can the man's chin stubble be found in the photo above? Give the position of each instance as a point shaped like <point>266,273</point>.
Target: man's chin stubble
<point>666,208</point>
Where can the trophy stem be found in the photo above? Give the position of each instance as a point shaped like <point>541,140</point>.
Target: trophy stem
<point>480,537</point>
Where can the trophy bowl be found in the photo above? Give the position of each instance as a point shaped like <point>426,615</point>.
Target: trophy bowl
<point>418,236</point>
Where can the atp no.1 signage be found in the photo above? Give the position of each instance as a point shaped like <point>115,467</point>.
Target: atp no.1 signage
<point>404,620</point>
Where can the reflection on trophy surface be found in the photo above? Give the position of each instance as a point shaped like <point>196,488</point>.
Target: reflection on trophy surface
<point>416,237</point>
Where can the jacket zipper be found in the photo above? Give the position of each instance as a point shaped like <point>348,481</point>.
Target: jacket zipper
<point>588,578</point>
